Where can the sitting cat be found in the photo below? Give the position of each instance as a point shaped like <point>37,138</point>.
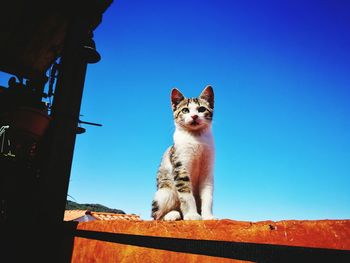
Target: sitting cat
<point>185,175</point>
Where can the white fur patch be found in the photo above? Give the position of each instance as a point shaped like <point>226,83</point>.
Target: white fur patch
<point>197,155</point>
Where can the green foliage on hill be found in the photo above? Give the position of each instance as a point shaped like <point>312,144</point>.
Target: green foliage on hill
<point>70,205</point>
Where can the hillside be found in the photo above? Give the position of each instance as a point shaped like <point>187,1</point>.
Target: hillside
<point>70,205</point>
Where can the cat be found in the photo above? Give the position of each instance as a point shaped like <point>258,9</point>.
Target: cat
<point>185,175</point>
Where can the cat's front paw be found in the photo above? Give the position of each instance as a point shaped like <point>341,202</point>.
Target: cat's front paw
<point>192,216</point>
<point>208,217</point>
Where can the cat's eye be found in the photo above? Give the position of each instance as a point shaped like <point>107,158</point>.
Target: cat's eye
<point>185,110</point>
<point>202,109</point>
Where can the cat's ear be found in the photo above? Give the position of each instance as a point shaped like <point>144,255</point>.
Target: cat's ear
<point>176,98</point>
<point>208,95</point>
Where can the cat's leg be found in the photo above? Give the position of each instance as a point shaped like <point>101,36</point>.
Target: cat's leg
<point>188,207</point>
<point>184,190</point>
<point>206,195</point>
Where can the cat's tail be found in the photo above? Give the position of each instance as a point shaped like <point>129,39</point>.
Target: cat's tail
<point>165,200</point>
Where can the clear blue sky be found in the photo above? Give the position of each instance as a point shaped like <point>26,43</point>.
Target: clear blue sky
<point>280,72</point>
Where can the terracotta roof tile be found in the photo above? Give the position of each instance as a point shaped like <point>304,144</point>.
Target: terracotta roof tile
<point>112,216</point>
<point>70,215</point>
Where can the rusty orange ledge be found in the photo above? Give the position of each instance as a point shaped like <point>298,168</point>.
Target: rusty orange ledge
<point>325,234</point>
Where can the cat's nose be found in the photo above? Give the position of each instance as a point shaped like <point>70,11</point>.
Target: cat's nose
<point>195,117</point>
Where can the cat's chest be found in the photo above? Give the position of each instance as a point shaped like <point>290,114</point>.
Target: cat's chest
<point>194,151</point>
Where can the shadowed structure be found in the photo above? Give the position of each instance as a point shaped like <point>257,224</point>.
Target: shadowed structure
<point>38,139</point>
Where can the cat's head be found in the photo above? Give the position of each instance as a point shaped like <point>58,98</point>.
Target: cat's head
<point>193,114</point>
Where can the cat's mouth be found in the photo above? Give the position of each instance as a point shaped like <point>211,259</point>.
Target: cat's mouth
<point>194,123</point>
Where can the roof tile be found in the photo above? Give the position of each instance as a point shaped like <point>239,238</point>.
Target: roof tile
<point>70,215</point>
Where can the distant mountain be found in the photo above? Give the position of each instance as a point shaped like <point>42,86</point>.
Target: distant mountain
<point>70,205</point>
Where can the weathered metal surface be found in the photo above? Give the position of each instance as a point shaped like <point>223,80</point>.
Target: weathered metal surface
<point>319,234</point>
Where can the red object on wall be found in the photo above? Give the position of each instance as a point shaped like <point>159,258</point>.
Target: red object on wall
<point>30,121</point>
